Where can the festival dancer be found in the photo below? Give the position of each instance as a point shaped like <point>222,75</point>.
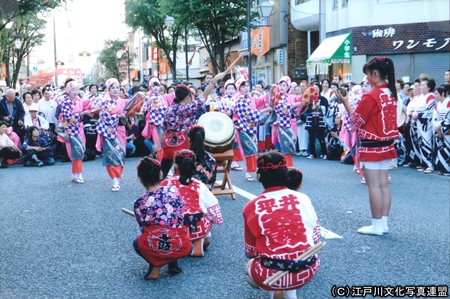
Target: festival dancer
<point>156,106</point>
<point>441,127</point>
<point>375,120</point>
<point>283,135</point>
<point>249,111</point>
<point>111,139</point>
<point>279,226</point>
<point>202,207</point>
<point>179,118</point>
<point>159,213</point>
<point>71,130</point>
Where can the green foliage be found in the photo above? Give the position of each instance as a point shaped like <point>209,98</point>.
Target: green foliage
<point>216,21</point>
<point>108,59</point>
<point>11,9</point>
<point>27,29</point>
<point>147,14</point>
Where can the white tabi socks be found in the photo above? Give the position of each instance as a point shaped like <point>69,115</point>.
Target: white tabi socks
<point>375,229</point>
<point>385,224</point>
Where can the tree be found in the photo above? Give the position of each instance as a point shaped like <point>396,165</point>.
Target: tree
<point>147,14</point>
<point>41,78</point>
<point>12,9</point>
<point>26,31</point>
<point>108,58</point>
<point>216,21</point>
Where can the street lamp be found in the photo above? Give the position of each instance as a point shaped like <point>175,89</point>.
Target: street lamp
<point>119,55</point>
<point>264,10</point>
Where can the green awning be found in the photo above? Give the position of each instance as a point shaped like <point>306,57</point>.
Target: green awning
<point>336,49</point>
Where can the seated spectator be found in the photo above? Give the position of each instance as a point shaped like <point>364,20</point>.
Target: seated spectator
<point>37,149</point>
<point>8,150</point>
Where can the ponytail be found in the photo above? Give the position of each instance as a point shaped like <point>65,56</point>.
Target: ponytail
<point>197,143</point>
<point>385,67</point>
<point>185,161</point>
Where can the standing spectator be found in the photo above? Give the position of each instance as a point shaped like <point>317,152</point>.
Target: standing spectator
<point>36,94</point>
<point>47,108</point>
<point>447,77</point>
<point>136,82</point>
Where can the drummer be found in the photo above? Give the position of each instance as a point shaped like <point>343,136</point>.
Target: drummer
<point>226,106</point>
<point>283,135</point>
<point>156,105</point>
<point>249,111</point>
<point>179,118</point>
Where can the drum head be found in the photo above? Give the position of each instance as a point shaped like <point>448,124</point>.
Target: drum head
<point>218,127</point>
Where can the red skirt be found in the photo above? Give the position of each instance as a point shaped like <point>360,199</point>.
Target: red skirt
<point>290,281</point>
<point>161,245</point>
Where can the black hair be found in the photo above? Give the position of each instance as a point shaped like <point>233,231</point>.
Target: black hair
<point>67,81</point>
<point>339,76</point>
<point>186,168</point>
<point>35,91</point>
<point>295,177</point>
<point>417,80</point>
<point>92,85</point>
<point>431,83</point>
<point>334,84</point>
<point>402,83</point>
<point>325,79</point>
<point>260,83</point>
<point>2,122</point>
<point>272,169</point>
<point>443,90</point>
<point>197,143</point>
<point>317,83</point>
<point>25,94</point>
<point>30,131</point>
<point>148,171</point>
<point>385,67</point>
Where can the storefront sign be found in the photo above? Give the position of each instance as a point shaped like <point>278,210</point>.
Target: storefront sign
<point>402,38</point>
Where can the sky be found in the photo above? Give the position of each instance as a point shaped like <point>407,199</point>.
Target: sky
<point>94,21</point>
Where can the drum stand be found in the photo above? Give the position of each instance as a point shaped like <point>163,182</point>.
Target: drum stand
<point>224,161</point>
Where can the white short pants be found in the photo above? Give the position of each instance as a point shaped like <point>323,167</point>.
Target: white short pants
<point>381,165</point>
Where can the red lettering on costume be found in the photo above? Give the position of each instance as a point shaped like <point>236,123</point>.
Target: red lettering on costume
<point>388,113</point>
<point>284,229</point>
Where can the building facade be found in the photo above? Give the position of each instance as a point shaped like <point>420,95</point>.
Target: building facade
<point>415,34</point>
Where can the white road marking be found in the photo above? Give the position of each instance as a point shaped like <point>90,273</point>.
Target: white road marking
<point>327,234</point>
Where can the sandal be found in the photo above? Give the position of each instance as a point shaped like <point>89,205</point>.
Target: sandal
<point>249,178</point>
<point>310,157</point>
<point>238,168</point>
<point>115,188</point>
<point>428,170</point>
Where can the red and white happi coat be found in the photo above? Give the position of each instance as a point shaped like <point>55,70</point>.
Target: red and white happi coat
<point>199,199</point>
<point>375,118</point>
<point>280,224</point>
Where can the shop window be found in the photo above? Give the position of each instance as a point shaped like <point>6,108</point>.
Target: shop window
<point>335,4</point>
<point>344,3</point>
<point>297,2</point>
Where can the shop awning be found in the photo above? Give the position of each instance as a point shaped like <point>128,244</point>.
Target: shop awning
<point>336,49</point>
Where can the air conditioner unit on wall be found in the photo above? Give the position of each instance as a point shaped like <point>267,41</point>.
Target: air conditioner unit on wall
<point>300,73</point>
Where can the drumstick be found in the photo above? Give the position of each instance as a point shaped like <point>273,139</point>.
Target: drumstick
<point>234,62</point>
<point>128,212</point>
<point>306,255</point>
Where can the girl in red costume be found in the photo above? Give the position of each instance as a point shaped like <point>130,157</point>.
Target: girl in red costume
<point>375,121</point>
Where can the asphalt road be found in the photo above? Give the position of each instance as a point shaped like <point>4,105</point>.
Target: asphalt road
<point>63,240</point>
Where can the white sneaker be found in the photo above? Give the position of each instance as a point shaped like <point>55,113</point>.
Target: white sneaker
<point>371,230</point>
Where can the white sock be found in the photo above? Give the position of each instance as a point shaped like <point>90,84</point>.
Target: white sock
<point>80,175</point>
<point>234,164</point>
<point>385,222</point>
<point>291,294</point>
<point>115,182</point>
<point>377,224</point>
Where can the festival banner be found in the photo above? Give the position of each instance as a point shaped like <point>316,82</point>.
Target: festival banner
<point>164,66</point>
<point>260,41</point>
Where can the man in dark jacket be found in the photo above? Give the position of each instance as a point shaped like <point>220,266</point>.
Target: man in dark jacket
<point>11,110</point>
